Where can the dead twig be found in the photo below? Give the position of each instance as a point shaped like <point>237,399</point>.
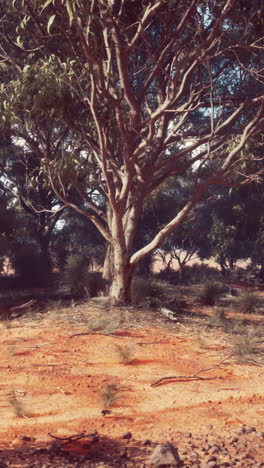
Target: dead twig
<point>74,438</point>
<point>194,376</point>
<point>141,343</point>
<point>51,365</point>
<point>93,333</point>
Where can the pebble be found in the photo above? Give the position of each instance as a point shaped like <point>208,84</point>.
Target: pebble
<point>127,435</point>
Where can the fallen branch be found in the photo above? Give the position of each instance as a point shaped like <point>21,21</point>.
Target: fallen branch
<point>23,306</point>
<point>93,333</point>
<point>74,438</point>
<point>194,376</point>
<point>141,343</point>
<point>51,365</point>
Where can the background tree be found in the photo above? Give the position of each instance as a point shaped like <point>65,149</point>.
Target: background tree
<point>152,90</point>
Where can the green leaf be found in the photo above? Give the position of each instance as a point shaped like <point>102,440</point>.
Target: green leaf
<point>50,23</point>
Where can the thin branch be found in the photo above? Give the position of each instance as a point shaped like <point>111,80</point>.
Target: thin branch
<point>194,376</point>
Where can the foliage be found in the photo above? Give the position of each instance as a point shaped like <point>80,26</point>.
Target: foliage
<point>149,292</point>
<point>80,280</point>
<point>32,267</point>
<point>76,274</point>
<point>218,319</point>
<point>212,290</point>
<point>244,345</point>
<point>166,89</point>
<point>247,303</point>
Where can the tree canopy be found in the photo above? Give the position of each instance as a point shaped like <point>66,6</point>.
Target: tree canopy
<point>121,95</point>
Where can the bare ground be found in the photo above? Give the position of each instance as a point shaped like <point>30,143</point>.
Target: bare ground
<point>51,383</point>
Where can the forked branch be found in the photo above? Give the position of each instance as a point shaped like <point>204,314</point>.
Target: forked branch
<point>195,376</point>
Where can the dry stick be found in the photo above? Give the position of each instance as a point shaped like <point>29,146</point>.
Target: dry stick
<point>194,376</point>
<point>51,365</point>
<point>74,438</point>
<point>94,333</point>
<point>141,343</point>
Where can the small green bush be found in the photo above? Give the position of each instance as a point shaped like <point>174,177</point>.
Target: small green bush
<point>76,274</point>
<point>96,284</point>
<point>32,267</point>
<point>247,303</point>
<point>211,292</point>
<point>191,274</point>
<point>148,292</point>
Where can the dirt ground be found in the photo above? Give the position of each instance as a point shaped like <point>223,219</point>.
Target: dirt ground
<point>54,366</point>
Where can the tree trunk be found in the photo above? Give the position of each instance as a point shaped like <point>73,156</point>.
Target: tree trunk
<point>120,290</point>
<point>108,270</point>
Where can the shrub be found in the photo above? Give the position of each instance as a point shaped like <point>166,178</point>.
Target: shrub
<point>152,293</point>
<point>247,303</point>
<point>191,274</point>
<point>96,284</point>
<point>211,292</point>
<point>219,320</point>
<point>32,267</point>
<point>78,278</point>
<point>148,292</point>
<point>76,274</point>
<point>244,346</point>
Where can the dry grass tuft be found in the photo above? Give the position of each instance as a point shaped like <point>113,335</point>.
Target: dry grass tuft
<point>126,353</point>
<point>17,406</point>
<point>109,395</point>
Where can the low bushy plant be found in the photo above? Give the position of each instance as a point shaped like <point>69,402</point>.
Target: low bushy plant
<point>219,320</point>
<point>148,292</point>
<point>32,267</point>
<point>76,274</point>
<point>193,274</point>
<point>82,282</point>
<point>247,303</point>
<point>244,345</point>
<point>212,290</point>
<point>153,293</point>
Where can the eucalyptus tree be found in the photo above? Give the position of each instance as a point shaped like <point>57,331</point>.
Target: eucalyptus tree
<point>145,91</point>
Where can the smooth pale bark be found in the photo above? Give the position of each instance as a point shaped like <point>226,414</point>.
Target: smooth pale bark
<point>108,268</point>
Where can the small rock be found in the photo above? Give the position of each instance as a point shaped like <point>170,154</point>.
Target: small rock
<point>209,427</point>
<point>187,434</point>
<point>123,454</point>
<point>248,430</point>
<point>240,430</point>
<point>216,449</point>
<point>127,435</point>
<point>28,439</point>
<point>147,442</point>
<point>212,458</point>
<point>259,434</point>
<point>233,440</point>
<point>211,464</point>
<point>165,455</point>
